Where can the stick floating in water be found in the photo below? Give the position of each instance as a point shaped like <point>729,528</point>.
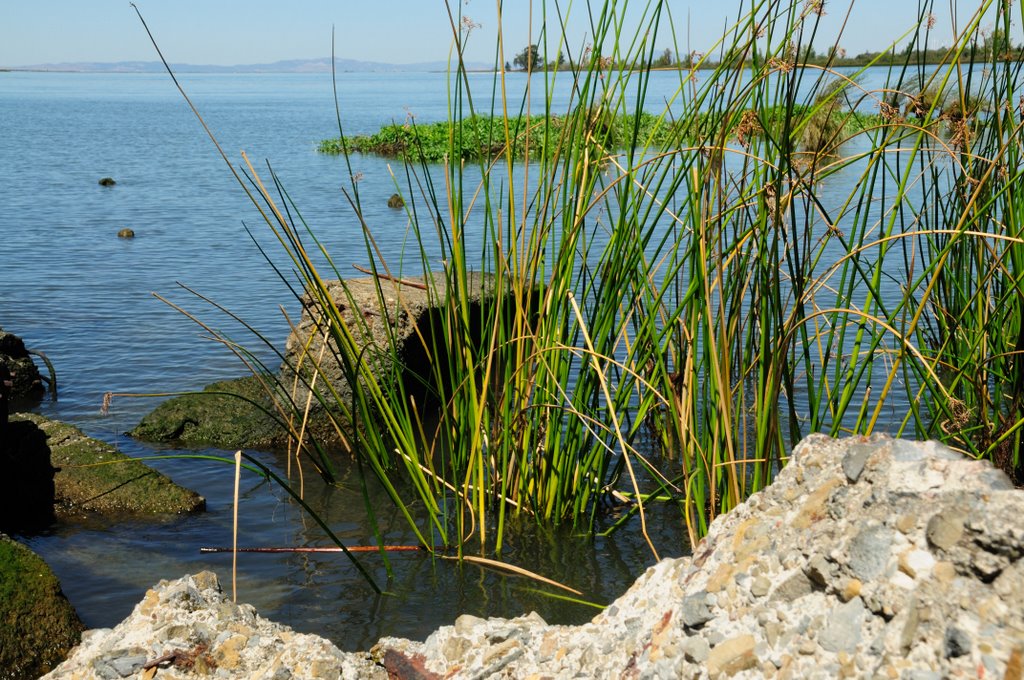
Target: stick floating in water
<point>325,549</point>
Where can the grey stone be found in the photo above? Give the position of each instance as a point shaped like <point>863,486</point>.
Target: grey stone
<point>104,671</point>
<point>793,588</point>
<point>854,460</point>
<point>820,571</point>
<point>843,632</point>
<point>997,480</point>
<point>956,643</point>
<point>869,552</point>
<point>695,610</point>
<point>127,665</point>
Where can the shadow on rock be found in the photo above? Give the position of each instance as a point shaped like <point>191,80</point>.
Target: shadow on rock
<point>26,487</point>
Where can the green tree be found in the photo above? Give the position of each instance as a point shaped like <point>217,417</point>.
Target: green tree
<point>528,58</point>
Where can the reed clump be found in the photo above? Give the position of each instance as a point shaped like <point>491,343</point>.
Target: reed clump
<point>697,283</point>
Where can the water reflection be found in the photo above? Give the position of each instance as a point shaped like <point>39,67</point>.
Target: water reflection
<point>105,569</point>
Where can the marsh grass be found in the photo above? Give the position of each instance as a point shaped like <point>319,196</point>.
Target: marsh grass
<point>680,300</point>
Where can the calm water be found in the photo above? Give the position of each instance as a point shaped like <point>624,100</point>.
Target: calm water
<point>75,291</point>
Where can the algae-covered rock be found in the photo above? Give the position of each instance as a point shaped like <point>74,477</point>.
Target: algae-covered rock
<point>94,476</point>
<point>229,414</point>
<point>38,626</point>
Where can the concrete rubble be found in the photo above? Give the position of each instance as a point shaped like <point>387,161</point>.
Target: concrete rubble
<point>867,557</point>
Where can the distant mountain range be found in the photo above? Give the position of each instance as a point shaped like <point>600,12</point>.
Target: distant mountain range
<point>322,65</point>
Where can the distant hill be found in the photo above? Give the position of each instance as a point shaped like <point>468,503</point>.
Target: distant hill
<point>322,65</point>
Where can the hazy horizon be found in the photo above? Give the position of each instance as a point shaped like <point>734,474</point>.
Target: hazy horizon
<point>398,32</point>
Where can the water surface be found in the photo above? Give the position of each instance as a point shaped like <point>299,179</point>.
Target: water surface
<point>70,288</point>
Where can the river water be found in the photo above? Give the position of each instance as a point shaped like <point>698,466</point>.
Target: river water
<point>70,288</point>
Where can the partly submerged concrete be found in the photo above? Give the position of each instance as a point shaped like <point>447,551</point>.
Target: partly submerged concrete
<point>865,558</point>
<point>92,476</point>
<point>392,321</point>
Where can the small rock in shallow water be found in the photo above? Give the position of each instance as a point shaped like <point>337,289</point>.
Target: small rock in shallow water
<point>107,182</point>
<point>126,233</point>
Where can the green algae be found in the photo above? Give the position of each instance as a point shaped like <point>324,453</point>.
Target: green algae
<point>38,626</point>
<point>229,414</point>
<point>93,476</point>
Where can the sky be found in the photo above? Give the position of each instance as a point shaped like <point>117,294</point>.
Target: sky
<point>227,32</point>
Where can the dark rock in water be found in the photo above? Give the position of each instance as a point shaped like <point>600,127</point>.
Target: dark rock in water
<point>396,201</point>
<point>80,485</point>
<point>16,367</point>
<point>126,233</point>
<point>38,626</point>
<point>229,414</point>
<point>107,182</point>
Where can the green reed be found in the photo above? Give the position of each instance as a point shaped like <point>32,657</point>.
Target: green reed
<point>645,302</point>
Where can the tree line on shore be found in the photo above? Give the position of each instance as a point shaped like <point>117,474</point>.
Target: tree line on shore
<point>530,58</point>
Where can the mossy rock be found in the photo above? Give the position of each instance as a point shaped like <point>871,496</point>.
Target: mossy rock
<point>230,414</point>
<point>38,626</point>
<point>94,476</point>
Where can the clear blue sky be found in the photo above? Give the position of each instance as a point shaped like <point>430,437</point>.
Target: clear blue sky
<point>397,31</point>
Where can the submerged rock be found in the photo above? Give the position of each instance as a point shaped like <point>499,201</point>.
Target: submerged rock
<point>38,626</point>
<point>92,476</point>
<point>230,414</point>
<point>911,567</point>
<point>107,182</point>
<point>126,233</point>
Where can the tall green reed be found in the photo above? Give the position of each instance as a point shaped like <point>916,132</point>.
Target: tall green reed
<point>756,264</point>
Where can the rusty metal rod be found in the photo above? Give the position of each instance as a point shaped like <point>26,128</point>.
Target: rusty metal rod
<point>326,549</point>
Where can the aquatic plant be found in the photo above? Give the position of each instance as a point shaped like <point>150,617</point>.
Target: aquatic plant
<point>483,135</point>
<point>674,297</point>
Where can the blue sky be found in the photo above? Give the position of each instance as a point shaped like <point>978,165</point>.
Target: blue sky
<point>397,31</point>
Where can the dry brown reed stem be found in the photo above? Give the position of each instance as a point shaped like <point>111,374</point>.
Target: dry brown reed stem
<point>234,529</point>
